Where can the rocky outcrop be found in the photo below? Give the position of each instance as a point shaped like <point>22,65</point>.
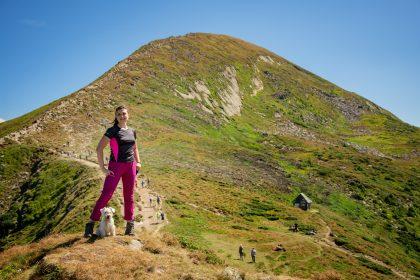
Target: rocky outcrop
<point>268,59</point>
<point>351,107</point>
<point>231,96</point>
<point>257,85</point>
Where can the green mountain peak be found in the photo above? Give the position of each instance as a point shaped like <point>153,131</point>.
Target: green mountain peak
<point>230,134</point>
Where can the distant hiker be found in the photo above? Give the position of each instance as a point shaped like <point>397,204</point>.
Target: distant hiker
<point>123,163</point>
<point>150,201</point>
<point>148,182</point>
<point>158,200</point>
<point>142,183</point>
<point>241,252</point>
<point>157,216</point>
<point>162,216</point>
<point>253,254</point>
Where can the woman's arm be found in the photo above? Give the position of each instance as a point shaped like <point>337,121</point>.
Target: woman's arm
<point>136,155</point>
<point>100,153</point>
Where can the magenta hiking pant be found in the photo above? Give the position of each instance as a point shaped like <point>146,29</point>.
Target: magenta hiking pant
<point>126,171</point>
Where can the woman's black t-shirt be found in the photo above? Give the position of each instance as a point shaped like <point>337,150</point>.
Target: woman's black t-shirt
<point>122,143</point>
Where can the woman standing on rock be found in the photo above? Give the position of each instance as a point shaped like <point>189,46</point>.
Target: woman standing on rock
<point>123,163</point>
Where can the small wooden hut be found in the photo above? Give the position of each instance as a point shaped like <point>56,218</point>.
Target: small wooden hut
<point>303,202</point>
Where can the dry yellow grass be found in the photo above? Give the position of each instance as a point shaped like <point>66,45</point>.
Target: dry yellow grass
<point>46,244</point>
<point>328,275</point>
<point>156,256</point>
<point>117,258</point>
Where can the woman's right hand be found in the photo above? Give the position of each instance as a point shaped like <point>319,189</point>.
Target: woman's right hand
<point>107,172</point>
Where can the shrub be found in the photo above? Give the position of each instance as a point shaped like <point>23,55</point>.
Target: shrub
<point>212,258</point>
<point>374,266</point>
<point>358,168</point>
<point>340,241</point>
<point>173,201</point>
<point>323,171</point>
<point>263,227</point>
<point>391,200</point>
<point>188,243</point>
<point>239,227</point>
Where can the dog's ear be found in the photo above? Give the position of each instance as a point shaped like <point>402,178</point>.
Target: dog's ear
<point>112,209</point>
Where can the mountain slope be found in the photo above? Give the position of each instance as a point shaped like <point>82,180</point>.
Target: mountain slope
<point>230,133</point>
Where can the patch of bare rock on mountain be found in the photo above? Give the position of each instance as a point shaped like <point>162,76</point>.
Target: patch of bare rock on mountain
<point>351,107</point>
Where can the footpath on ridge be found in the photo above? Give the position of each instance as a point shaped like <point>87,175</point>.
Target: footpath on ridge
<point>326,241</point>
<point>145,213</point>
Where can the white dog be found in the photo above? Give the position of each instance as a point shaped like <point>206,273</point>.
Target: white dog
<point>106,227</point>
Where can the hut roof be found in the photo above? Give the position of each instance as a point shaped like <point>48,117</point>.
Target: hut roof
<point>308,200</point>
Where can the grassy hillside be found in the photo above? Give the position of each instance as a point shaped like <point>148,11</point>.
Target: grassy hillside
<point>230,133</point>
<point>42,194</point>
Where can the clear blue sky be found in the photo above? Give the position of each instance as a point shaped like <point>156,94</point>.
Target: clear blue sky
<point>50,49</point>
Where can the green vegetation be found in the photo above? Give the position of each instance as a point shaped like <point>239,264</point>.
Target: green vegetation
<point>374,266</point>
<point>56,195</point>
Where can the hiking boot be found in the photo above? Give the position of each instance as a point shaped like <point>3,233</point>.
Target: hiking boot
<point>89,229</point>
<point>129,228</point>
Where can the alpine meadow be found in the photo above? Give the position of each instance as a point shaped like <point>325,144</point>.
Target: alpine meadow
<point>229,135</point>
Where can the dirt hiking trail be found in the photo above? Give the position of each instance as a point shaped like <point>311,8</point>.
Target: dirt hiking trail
<point>146,213</point>
<point>326,241</point>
